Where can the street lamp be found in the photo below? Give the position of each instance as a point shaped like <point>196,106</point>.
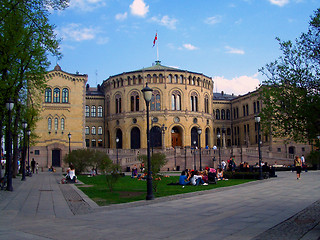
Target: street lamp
<point>163,130</point>
<point>117,141</point>
<point>29,133</point>
<point>199,134</point>
<point>23,159</point>
<point>257,120</point>
<point>219,137</point>
<point>147,94</point>
<point>9,106</point>
<point>69,136</point>
<point>194,155</point>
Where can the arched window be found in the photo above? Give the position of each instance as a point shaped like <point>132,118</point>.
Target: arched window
<point>99,130</point>
<point>228,114</point>
<point>87,130</point>
<point>193,80</point>
<point>170,78</point>
<point>62,124</point>
<point>93,130</point>
<point>149,78</point>
<point>155,103</point>
<point>108,105</point>
<point>206,104</point>
<point>134,80</point>
<point>134,101</point>
<point>223,114</point>
<point>87,111</point>
<point>181,79</point>
<point>56,95</point>
<point>217,114</point>
<point>93,143</point>
<point>93,111</point>
<point>154,78</point>
<point>48,95</point>
<point>176,101</point>
<point>118,103</point>
<point>175,78</point>
<point>99,111</point>
<point>160,78</point>
<point>49,124</point>
<point>65,95</point>
<point>56,124</point>
<point>194,102</point>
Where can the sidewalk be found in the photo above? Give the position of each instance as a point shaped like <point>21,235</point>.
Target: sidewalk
<point>279,208</point>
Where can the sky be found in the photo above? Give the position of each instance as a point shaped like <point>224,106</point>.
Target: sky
<point>228,40</point>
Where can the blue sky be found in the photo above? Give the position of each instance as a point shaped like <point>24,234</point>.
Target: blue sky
<point>228,40</point>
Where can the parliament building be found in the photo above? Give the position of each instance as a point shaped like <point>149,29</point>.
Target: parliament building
<point>185,114</point>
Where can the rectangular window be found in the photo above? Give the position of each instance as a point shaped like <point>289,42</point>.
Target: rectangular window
<point>36,152</point>
<point>100,111</point>
<point>87,143</point>
<point>93,111</point>
<point>87,111</point>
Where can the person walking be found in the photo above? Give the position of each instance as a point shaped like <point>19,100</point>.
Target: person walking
<point>298,165</point>
<point>33,165</point>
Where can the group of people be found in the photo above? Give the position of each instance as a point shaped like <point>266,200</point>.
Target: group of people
<point>195,178</point>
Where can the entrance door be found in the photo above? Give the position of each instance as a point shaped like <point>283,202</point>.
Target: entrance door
<point>56,158</point>
<point>176,139</point>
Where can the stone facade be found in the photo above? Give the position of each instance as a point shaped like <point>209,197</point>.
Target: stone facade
<point>183,102</point>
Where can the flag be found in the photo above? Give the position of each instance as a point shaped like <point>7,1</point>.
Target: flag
<point>155,39</point>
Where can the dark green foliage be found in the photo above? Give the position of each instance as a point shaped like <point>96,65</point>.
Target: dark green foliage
<point>291,92</point>
<point>86,159</point>
<point>112,176</point>
<point>158,160</point>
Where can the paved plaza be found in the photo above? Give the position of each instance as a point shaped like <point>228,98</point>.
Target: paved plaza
<point>277,208</point>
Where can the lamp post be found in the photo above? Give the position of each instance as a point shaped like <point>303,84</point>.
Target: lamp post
<point>117,141</point>
<point>194,155</point>
<point>147,94</point>
<point>9,106</point>
<point>163,130</point>
<point>23,159</point>
<point>257,120</point>
<point>29,133</point>
<point>199,135</point>
<point>219,137</point>
<point>69,136</point>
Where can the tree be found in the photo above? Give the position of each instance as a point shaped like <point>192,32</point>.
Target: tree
<point>158,160</point>
<point>26,37</point>
<point>291,91</point>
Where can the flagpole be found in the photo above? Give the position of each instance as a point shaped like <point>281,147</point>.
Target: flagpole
<point>157,52</point>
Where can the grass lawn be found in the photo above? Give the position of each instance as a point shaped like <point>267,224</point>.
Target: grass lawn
<point>129,189</point>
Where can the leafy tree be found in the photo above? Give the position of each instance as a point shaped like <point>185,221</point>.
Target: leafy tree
<point>291,91</point>
<point>26,37</point>
<point>85,159</point>
<point>112,175</point>
<point>158,160</point>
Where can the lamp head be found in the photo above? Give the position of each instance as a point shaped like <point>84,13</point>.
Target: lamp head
<point>257,119</point>
<point>147,93</point>
<point>24,124</point>
<point>199,130</point>
<point>69,135</point>
<point>9,104</point>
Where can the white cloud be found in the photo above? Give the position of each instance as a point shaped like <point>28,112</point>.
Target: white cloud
<point>238,85</point>
<point>234,50</point>
<point>280,3</point>
<point>75,32</point>
<point>189,46</point>
<point>87,5</point>
<point>213,20</point>
<point>139,8</point>
<point>121,16</point>
<point>165,21</point>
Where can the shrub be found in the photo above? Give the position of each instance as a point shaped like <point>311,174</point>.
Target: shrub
<point>158,160</point>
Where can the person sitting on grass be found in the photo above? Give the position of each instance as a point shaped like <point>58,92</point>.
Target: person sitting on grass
<point>196,179</point>
<point>183,179</point>
<point>71,174</point>
<point>220,174</point>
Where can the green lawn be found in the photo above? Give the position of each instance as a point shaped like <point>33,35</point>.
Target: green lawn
<point>128,189</point>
